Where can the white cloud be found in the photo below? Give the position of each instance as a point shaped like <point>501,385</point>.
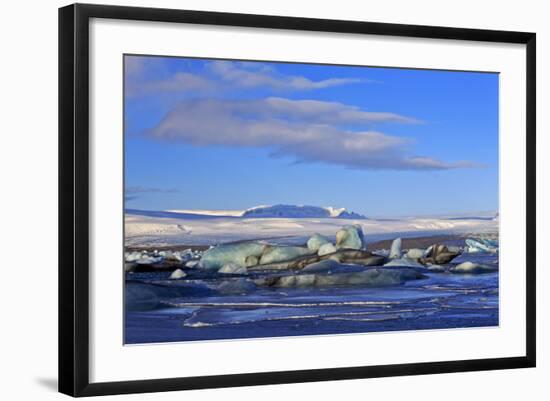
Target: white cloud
<point>251,74</point>
<point>307,130</point>
<point>179,82</point>
<point>218,76</point>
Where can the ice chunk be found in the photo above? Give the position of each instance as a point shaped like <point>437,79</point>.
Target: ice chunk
<point>149,260</point>
<point>439,254</point>
<point>480,246</point>
<point>395,251</point>
<point>192,263</point>
<point>415,253</point>
<point>316,241</point>
<point>232,268</point>
<point>325,249</point>
<point>133,256</point>
<point>350,237</point>
<point>370,277</point>
<point>473,268</point>
<point>404,262</point>
<point>177,274</point>
<point>275,254</point>
<point>220,255</point>
<point>329,266</point>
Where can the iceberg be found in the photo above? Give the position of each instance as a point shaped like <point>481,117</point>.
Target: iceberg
<point>276,254</point>
<point>395,251</point>
<point>326,249</point>
<point>415,253</point>
<point>220,255</point>
<point>316,241</point>
<point>481,245</point>
<point>177,274</point>
<point>350,237</point>
<point>232,268</point>
<point>373,277</point>
<point>149,260</point>
<point>329,266</point>
<point>473,268</point>
<point>404,262</point>
<point>439,254</point>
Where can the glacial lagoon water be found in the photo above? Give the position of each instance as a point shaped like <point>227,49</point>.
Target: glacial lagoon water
<point>438,301</point>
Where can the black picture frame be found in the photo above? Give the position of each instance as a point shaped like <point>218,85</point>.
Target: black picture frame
<point>74,198</point>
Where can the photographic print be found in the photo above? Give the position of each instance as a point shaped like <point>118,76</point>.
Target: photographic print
<point>275,199</point>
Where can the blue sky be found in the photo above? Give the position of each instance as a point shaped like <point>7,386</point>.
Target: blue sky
<point>214,134</point>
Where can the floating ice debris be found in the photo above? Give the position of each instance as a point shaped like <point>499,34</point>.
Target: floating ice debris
<point>192,263</point>
<point>329,266</point>
<point>177,274</point>
<point>371,277</point>
<point>350,237</point>
<point>316,241</point>
<point>177,256</point>
<point>275,254</point>
<point>149,260</point>
<point>395,251</point>
<point>353,256</point>
<point>404,262</point>
<point>326,249</point>
<point>454,249</point>
<point>232,268</point>
<point>481,245</point>
<point>220,255</point>
<point>132,256</point>
<point>381,252</point>
<point>415,253</point>
<point>473,268</point>
<point>439,254</point>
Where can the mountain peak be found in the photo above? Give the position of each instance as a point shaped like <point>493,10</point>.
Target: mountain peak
<point>300,211</point>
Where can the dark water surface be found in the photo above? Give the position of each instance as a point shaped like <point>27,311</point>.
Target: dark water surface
<point>442,300</point>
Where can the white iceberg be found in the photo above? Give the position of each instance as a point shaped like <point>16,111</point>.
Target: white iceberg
<point>480,246</point>
<point>371,277</point>
<point>149,260</point>
<point>220,255</point>
<point>275,254</point>
<point>232,268</point>
<point>473,268</point>
<point>316,241</point>
<point>350,237</point>
<point>404,262</point>
<point>326,249</point>
<point>415,253</point>
<point>395,251</point>
<point>177,274</point>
